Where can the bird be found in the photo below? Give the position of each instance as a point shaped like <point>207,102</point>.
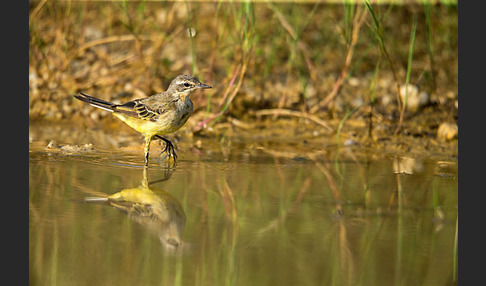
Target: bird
<point>156,115</point>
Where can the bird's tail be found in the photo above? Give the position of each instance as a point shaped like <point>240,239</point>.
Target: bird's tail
<point>96,102</point>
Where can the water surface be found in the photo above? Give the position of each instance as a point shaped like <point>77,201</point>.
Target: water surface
<point>240,217</point>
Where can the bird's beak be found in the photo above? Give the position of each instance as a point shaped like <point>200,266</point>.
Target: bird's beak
<point>202,85</point>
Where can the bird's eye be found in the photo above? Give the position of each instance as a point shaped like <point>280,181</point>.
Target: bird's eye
<point>187,84</point>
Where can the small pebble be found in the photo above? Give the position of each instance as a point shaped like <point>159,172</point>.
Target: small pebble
<point>448,131</point>
<point>415,99</point>
<point>350,142</point>
<point>52,144</point>
<point>198,144</point>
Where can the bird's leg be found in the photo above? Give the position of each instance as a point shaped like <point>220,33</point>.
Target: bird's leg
<point>147,149</point>
<point>169,147</point>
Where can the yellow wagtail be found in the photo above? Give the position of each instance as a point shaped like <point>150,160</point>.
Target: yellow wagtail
<point>155,115</point>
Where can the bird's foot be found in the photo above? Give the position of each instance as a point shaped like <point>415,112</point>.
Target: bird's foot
<point>169,149</point>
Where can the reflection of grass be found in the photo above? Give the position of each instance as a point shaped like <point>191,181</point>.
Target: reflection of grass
<point>455,253</point>
<point>245,221</point>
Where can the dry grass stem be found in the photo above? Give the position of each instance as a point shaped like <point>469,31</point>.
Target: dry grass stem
<point>358,21</point>
<point>294,113</point>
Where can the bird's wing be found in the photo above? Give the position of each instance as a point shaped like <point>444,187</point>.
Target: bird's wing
<point>142,108</point>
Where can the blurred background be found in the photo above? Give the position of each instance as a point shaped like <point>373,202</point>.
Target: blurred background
<point>325,66</point>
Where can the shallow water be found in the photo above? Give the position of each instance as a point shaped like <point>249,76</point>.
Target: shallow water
<point>240,217</point>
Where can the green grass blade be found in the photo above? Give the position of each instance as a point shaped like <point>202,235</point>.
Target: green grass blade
<point>410,56</point>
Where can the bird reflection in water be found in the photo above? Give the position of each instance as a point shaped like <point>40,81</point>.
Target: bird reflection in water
<point>155,209</point>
